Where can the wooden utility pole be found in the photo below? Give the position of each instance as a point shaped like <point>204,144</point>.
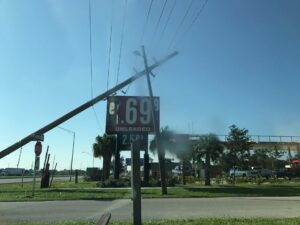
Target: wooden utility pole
<point>81,108</point>
<point>161,155</point>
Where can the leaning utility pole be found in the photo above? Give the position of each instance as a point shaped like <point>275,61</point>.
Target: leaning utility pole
<point>81,108</point>
<point>161,156</point>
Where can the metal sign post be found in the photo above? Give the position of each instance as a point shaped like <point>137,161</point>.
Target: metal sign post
<point>136,183</point>
<point>36,168</point>
<point>37,151</point>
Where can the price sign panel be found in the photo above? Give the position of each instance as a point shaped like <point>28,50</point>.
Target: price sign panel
<point>125,140</point>
<point>130,114</point>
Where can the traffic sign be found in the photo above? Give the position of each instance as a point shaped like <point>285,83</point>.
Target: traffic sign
<point>130,114</point>
<point>38,137</point>
<point>38,148</point>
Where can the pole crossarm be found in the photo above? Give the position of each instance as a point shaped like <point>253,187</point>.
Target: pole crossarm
<point>83,107</point>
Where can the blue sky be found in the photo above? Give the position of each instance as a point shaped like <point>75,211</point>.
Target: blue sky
<point>238,64</point>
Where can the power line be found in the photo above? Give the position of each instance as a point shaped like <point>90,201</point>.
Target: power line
<point>168,19</point>
<point>198,14</point>
<point>157,24</point>
<point>146,23</point>
<point>193,21</point>
<point>91,63</point>
<point>91,54</point>
<point>121,44</point>
<point>159,19</point>
<point>142,37</point>
<point>109,51</point>
<point>181,23</point>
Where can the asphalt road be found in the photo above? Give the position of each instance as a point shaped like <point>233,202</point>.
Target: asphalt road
<point>246,207</point>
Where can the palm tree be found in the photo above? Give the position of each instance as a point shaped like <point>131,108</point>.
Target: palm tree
<point>161,144</point>
<point>105,147</point>
<point>208,147</point>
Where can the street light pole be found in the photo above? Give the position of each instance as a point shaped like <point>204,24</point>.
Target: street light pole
<point>72,132</point>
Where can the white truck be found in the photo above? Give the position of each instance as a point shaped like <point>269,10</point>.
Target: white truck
<point>242,173</point>
<point>263,172</point>
<point>13,171</point>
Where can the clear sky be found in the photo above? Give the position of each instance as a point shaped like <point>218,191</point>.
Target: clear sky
<point>237,64</point>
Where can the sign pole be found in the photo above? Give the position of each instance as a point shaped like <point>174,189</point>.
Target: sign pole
<point>117,161</point>
<point>37,151</point>
<point>136,183</point>
<point>33,185</point>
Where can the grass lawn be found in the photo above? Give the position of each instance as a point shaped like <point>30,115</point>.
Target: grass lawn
<point>204,221</point>
<point>87,190</point>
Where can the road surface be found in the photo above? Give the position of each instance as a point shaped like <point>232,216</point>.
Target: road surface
<point>246,207</point>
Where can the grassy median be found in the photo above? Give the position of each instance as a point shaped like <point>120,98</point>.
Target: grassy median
<point>88,190</point>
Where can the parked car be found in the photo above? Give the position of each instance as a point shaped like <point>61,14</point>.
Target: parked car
<point>263,172</point>
<point>14,171</point>
<point>242,173</point>
<point>284,173</point>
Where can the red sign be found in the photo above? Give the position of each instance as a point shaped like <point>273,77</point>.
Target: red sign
<point>38,148</point>
<point>131,114</point>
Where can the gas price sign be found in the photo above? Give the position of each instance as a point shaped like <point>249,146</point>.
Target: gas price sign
<point>129,114</point>
<point>125,140</point>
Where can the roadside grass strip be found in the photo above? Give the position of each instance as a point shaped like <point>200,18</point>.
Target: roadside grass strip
<point>89,191</point>
<point>203,221</point>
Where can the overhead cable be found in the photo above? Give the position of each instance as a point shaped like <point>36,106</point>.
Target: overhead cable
<point>91,53</point>
<point>143,34</point>
<point>109,50</point>
<point>91,63</point>
<point>181,23</point>
<point>157,25</point>
<point>193,22</point>
<point>168,19</point>
<point>146,23</point>
<point>121,44</point>
<point>161,14</point>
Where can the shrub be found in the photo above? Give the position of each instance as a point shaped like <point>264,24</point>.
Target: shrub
<point>190,179</point>
<point>114,183</point>
<point>244,180</point>
<point>218,179</point>
<point>259,180</point>
<point>228,179</point>
<point>277,180</point>
<point>296,179</point>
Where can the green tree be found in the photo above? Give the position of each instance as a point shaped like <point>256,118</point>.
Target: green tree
<point>160,145</point>
<point>260,158</point>
<point>209,148</point>
<point>105,147</point>
<point>238,143</point>
<point>275,154</point>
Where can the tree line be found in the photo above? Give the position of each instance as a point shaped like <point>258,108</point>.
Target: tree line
<point>207,150</point>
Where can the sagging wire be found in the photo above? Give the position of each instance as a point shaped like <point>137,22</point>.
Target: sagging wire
<point>181,23</point>
<point>91,64</point>
<point>121,44</point>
